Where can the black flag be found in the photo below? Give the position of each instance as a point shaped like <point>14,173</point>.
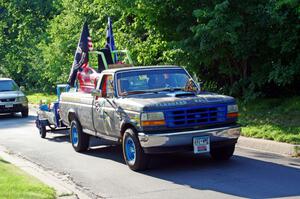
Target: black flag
<point>110,41</point>
<point>81,54</point>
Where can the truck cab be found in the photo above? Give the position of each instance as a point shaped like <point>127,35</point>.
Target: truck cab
<point>150,110</point>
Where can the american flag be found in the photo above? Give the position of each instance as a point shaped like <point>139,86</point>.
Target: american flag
<point>90,44</point>
<point>81,55</point>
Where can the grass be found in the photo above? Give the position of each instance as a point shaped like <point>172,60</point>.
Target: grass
<point>273,119</point>
<point>34,98</point>
<point>14,183</point>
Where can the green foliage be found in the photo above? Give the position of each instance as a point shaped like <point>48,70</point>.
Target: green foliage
<point>14,183</point>
<point>36,98</point>
<point>249,44</point>
<point>22,27</point>
<point>243,48</point>
<point>275,119</point>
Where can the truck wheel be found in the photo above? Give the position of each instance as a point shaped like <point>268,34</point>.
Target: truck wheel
<point>222,153</point>
<point>133,153</point>
<point>79,140</point>
<point>43,131</point>
<point>25,113</point>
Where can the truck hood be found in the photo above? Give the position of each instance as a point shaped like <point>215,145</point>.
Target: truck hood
<point>163,101</point>
<point>11,94</point>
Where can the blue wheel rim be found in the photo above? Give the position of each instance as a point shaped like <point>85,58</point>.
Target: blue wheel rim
<point>74,136</point>
<point>130,150</point>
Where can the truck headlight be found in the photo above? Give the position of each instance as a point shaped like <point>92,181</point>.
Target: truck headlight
<point>21,99</point>
<point>232,111</point>
<point>153,119</point>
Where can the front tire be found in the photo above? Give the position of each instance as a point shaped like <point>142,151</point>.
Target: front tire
<point>79,139</point>
<point>25,113</point>
<point>222,153</point>
<point>133,153</point>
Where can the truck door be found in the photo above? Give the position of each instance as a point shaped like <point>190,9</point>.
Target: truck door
<point>103,110</point>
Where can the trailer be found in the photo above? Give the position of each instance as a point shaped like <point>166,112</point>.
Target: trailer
<point>48,118</point>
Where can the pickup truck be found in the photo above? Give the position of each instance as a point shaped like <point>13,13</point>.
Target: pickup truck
<point>150,110</point>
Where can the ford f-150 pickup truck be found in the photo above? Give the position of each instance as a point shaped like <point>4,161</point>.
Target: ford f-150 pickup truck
<point>149,110</point>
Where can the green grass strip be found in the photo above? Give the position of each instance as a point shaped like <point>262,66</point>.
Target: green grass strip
<point>34,98</point>
<point>274,119</point>
<point>14,183</point>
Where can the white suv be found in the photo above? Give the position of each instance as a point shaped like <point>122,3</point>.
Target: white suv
<point>12,99</point>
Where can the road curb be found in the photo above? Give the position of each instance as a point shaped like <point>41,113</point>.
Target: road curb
<point>65,189</point>
<point>269,146</point>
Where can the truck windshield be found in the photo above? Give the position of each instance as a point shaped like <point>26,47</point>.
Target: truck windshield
<point>8,85</point>
<point>154,80</point>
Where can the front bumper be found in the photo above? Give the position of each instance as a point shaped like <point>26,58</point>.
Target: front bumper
<point>178,141</point>
<point>13,108</point>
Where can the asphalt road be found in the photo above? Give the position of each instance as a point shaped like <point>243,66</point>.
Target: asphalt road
<point>102,171</point>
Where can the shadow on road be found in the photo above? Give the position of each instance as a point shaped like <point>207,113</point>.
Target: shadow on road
<point>57,137</point>
<point>15,120</point>
<point>15,116</point>
<point>241,176</point>
<point>107,152</point>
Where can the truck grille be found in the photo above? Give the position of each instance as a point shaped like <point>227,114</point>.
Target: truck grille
<point>196,116</point>
<point>8,100</point>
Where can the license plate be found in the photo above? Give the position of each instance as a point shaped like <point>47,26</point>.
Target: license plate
<point>9,105</point>
<point>201,144</point>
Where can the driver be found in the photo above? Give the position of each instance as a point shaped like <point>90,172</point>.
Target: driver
<point>161,81</point>
<point>169,81</point>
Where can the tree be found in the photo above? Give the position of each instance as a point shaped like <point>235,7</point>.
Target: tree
<point>250,44</point>
<point>22,26</point>
<point>244,48</point>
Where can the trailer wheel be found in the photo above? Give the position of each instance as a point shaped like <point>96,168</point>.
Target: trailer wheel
<point>223,153</point>
<point>43,131</point>
<point>133,153</point>
<point>79,139</point>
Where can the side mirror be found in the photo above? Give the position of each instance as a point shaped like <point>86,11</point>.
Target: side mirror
<point>96,93</point>
<point>22,88</point>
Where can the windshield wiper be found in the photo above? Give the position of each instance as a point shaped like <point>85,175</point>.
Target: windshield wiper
<point>152,91</point>
<point>4,90</point>
<point>170,89</point>
<point>136,92</point>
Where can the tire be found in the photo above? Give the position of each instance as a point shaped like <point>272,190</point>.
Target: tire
<point>222,153</point>
<point>25,113</point>
<point>79,139</point>
<point>43,131</point>
<point>133,153</point>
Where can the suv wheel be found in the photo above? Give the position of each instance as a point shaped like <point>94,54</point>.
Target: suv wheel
<point>133,153</point>
<point>79,139</point>
<point>25,113</point>
<point>222,153</point>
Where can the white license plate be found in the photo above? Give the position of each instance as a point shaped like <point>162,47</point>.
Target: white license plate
<point>9,105</point>
<point>201,144</point>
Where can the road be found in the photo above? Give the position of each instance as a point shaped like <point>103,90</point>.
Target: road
<point>102,171</point>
